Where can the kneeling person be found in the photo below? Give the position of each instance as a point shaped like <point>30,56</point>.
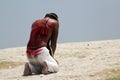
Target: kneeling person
<point>44,32</point>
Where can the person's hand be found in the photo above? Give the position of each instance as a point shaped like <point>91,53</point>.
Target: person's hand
<point>57,61</point>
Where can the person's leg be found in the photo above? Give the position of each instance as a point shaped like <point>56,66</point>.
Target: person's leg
<point>45,68</point>
<point>47,61</point>
<point>27,70</point>
<point>52,67</point>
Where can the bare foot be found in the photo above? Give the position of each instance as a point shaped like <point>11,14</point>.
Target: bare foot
<point>27,70</point>
<point>45,68</point>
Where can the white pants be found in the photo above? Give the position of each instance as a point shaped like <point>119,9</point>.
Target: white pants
<point>43,56</point>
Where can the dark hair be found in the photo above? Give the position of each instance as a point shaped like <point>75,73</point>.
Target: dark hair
<point>52,15</point>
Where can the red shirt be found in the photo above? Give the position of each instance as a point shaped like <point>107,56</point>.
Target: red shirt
<point>40,29</point>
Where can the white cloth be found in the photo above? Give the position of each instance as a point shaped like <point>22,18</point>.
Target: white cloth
<point>43,56</point>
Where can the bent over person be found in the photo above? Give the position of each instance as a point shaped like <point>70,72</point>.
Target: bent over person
<point>42,45</point>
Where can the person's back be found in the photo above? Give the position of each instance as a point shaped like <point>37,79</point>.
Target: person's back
<point>40,34</point>
<point>42,31</point>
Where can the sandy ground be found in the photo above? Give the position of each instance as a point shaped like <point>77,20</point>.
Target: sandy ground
<point>94,60</point>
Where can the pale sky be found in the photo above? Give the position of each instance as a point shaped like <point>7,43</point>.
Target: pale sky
<point>80,20</point>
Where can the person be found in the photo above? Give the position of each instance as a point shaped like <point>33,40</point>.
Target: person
<point>42,45</point>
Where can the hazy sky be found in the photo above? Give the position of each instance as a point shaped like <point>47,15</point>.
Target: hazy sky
<point>80,20</point>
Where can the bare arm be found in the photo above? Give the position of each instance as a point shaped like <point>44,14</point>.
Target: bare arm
<point>54,37</point>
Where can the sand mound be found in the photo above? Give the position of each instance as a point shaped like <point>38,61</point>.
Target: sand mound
<point>94,60</point>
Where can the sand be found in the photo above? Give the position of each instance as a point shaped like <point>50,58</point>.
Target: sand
<point>95,60</point>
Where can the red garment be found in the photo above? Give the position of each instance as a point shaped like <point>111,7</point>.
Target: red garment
<point>33,52</point>
<point>40,29</point>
